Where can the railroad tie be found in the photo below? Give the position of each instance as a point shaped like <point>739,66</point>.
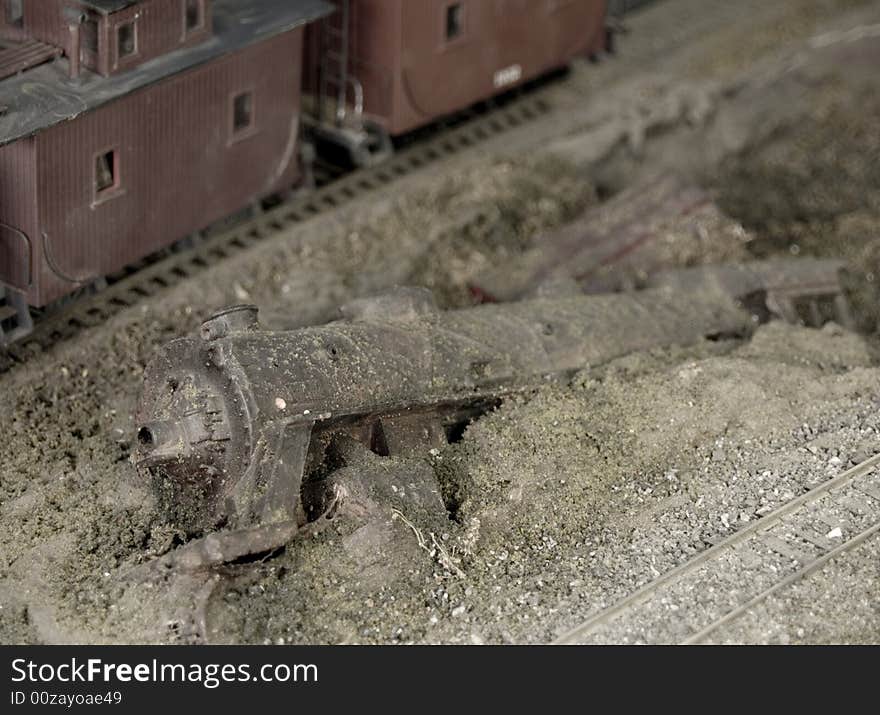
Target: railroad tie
<point>857,506</point>
<point>807,533</point>
<point>782,547</point>
<point>870,490</point>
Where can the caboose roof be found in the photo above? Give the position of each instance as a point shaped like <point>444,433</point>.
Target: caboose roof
<point>45,96</point>
<point>105,7</point>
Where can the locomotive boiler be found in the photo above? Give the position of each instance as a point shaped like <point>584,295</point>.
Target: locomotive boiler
<point>231,421</point>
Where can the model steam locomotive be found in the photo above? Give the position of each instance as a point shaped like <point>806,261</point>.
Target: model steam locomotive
<point>232,421</point>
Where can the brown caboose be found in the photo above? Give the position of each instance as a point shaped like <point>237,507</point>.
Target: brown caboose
<point>126,125</point>
<point>380,68</point>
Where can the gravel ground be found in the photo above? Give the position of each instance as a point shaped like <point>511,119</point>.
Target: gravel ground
<point>560,501</point>
<point>838,604</point>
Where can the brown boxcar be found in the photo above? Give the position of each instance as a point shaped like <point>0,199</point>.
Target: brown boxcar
<point>97,172</point>
<point>417,60</point>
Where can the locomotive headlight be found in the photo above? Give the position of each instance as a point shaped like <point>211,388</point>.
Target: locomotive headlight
<point>158,441</point>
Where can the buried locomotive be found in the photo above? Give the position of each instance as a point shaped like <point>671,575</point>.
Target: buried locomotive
<point>233,421</point>
<point>238,423</point>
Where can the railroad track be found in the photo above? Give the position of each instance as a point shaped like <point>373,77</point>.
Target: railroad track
<point>696,601</point>
<point>333,191</point>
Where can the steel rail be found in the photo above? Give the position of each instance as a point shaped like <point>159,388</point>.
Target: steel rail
<point>730,617</point>
<point>755,528</point>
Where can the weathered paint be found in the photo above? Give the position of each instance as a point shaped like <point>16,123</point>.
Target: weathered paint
<point>159,30</point>
<point>18,212</point>
<point>412,74</point>
<point>179,168</point>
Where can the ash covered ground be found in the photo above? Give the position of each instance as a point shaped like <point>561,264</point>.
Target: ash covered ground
<point>562,500</point>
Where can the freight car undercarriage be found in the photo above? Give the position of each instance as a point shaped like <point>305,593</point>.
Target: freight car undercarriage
<point>16,321</point>
<point>337,127</point>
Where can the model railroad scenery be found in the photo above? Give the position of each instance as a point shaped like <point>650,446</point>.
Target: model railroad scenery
<point>418,321</point>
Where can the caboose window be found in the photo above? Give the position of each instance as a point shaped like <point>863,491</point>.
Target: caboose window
<point>106,172</point>
<point>193,15</point>
<point>126,40</point>
<point>454,21</point>
<point>242,112</point>
<point>14,13</point>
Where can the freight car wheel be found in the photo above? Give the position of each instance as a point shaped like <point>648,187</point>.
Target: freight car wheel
<point>15,316</point>
<point>375,148</point>
<point>88,289</point>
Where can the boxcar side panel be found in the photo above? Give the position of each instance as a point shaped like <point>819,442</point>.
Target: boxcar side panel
<point>375,53</point>
<point>458,53</point>
<point>11,30</point>
<point>18,209</point>
<point>135,175</point>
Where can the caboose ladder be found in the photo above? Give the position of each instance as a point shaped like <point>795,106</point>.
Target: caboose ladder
<point>339,125</point>
<point>334,79</point>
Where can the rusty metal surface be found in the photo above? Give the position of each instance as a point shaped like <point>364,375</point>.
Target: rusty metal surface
<point>495,52</point>
<point>46,21</point>
<point>231,421</point>
<point>174,177</point>
<point>18,214</point>
<point>159,30</point>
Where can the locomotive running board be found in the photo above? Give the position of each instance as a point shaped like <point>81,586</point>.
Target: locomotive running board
<point>15,316</point>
